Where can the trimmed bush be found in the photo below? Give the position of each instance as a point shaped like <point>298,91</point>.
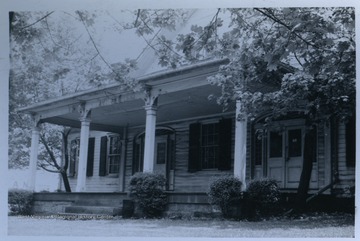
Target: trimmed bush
<point>225,191</point>
<point>20,202</point>
<point>264,194</point>
<point>147,191</point>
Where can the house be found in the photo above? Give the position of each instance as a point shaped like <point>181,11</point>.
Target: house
<point>171,127</point>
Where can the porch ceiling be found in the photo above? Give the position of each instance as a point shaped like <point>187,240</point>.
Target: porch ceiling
<point>172,106</point>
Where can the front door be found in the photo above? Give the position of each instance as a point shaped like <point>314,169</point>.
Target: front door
<point>285,155</point>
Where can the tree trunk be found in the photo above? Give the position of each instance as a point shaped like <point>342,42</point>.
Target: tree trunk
<point>309,157</point>
<point>65,151</point>
<point>66,181</point>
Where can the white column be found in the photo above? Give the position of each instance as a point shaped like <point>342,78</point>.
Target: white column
<point>240,147</point>
<point>149,152</point>
<point>84,143</point>
<point>34,156</point>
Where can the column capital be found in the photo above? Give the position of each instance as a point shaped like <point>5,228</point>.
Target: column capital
<point>240,115</point>
<point>150,99</point>
<point>85,113</point>
<point>36,121</point>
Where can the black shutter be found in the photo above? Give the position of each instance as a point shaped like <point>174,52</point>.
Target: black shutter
<point>350,142</point>
<point>194,147</point>
<point>103,156</point>
<point>225,140</point>
<point>90,158</point>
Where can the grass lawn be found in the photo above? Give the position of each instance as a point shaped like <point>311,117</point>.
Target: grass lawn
<point>311,225</point>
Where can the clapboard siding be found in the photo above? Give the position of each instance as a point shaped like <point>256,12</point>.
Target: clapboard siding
<point>96,183</point>
<point>346,173</point>
<point>321,156</point>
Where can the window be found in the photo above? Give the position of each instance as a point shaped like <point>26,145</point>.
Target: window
<point>276,144</point>
<point>161,153</point>
<point>110,155</point>
<point>295,143</point>
<point>210,145</point>
<point>114,154</point>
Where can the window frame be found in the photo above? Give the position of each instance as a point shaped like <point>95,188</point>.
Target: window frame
<point>212,145</point>
<point>113,155</point>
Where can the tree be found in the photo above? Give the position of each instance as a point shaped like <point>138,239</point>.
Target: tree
<point>56,147</point>
<point>304,59</point>
<point>281,60</point>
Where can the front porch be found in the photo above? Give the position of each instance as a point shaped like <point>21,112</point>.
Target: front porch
<point>131,120</point>
<point>180,204</point>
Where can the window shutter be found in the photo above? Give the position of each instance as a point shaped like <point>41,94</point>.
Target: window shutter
<point>194,147</point>
<point>103,156</point>
<point>350,142</point>
<point>225,141</point>
<point>90,158</point>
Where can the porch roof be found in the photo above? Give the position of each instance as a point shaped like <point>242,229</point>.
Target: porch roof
<point>183,93</point>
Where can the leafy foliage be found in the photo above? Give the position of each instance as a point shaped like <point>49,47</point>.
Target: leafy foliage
<point>49,59</point>
<point>20,202</point>
<point>147,190</point>
<point>264,194</point>
<point>223,191</point>
<point>304,59</point>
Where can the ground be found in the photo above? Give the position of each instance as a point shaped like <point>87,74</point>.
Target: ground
<point>314,225</point>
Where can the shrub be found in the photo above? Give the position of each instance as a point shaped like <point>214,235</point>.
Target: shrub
<point>147,191</point>
<point>264,194</point>
<point>224,191</point>
<point>20,202</point>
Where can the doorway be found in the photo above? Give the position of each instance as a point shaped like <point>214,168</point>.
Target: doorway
<point>164,154</point>
<point>282,154</point>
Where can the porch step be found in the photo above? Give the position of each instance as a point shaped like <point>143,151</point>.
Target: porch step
<point>100,210</point>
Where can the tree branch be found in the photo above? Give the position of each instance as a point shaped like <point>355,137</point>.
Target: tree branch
<point>49,170</point>
<point>274,18</point>
<point>95,46</point>
<point>137,18</point>
<point>47,15</point>
<point>51,154</point>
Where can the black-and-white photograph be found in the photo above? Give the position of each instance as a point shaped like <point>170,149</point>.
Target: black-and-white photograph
<point>205,121</point>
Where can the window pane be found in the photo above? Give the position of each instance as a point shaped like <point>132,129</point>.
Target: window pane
<point>115,145</point>
<point>161,153</point>
<point>294,142</point>
<point>210,146</point>
<point>276,144</point>
<point>114,154</point>
<point>114,162</point>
